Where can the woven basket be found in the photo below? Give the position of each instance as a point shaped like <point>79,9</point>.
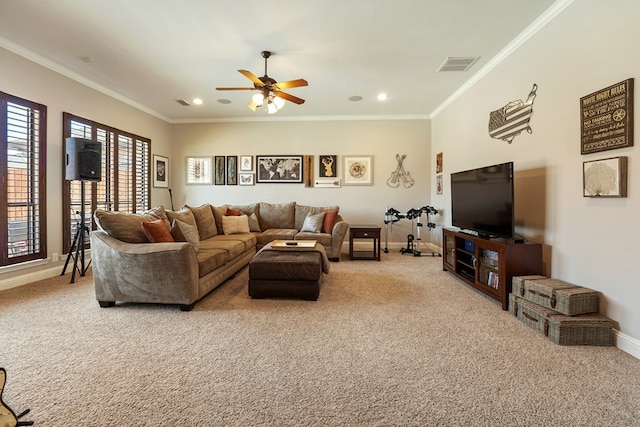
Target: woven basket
<point>583,329</point>
<point>517,283</point>
<point>561,296</point>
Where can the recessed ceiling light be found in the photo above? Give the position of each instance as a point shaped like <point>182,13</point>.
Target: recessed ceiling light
<point>382,97</point>
<point>224,101</point>
<point>355,98</point>
<point>197,101</point>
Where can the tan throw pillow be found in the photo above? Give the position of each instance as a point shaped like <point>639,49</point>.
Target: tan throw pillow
<point>185,215</point>
<point>157,231</point>
<point>126,226</point>
<point>254,223</point>
<point>205,221</point>
<point>313,223</point>
<point>183,232</point>
<point>235,224</point>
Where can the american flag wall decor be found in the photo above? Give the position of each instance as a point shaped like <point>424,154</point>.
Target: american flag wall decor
<point>510,120</point>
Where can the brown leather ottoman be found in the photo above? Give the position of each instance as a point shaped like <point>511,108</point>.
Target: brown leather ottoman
<point>285,274</point>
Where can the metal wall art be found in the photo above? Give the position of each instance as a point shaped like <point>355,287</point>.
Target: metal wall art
<point>400,175</point>
<point>510,120</point>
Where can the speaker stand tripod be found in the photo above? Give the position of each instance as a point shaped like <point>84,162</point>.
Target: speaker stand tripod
<point>77,247</point>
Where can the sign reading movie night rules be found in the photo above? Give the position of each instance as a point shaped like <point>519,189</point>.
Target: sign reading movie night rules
<point>607,118</point>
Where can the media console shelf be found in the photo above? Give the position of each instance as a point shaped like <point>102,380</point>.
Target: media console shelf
<point>489,264</point>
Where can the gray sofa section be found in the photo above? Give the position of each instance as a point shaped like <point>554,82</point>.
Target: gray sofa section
<point>126,268</point>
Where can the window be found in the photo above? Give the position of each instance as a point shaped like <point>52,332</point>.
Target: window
<point>23,135</point>
<point>124,184</point>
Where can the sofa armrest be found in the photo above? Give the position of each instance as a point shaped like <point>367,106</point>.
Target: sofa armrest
<point>143,272</point>
<point>338,233</point>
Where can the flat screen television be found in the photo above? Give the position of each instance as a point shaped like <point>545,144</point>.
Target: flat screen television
<point>482,200</point>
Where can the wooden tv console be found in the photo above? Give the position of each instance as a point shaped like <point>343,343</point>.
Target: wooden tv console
<point>488,265</point>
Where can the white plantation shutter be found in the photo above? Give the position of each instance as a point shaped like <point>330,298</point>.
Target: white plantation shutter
<point>22,175</point>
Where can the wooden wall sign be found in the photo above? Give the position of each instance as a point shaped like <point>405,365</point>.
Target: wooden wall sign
<point>607,118</point>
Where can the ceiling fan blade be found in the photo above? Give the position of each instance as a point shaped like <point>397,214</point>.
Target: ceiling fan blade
<point>288,97</point>
<point>235,88</point>
<point>291,83</point>
<point>252,77</point>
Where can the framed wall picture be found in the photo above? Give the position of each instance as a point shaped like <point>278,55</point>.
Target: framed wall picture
<point>160,171</point>
<point>246,179</point>
<point>199,170</point>
<point>358,170</point>
<point>220,170</point>
<point>439,163</point>
<point>605,178</point>
<point>327,166</point>
<point>246,163</point>
<point>279,169</point>
<point>232,170</point>
<point>438,184</point>
<point>607,118</point>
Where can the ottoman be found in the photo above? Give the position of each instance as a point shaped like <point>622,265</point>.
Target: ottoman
<point>286,274</point>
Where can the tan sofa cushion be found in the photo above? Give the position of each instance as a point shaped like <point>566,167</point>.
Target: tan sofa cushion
<point>205,221</point>
<point>127,226</point>
<point>183,232</point>
<point>280,215</point>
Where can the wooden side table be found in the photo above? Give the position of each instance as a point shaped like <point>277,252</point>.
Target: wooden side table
<point>371,232</point>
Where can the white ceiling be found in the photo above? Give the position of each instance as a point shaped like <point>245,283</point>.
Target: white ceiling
<point>151,53</point>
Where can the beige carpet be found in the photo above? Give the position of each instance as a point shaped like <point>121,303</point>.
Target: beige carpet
<point>391,343</point>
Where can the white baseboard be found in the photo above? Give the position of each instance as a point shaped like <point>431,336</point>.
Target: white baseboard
<point>627,344</point>
<point>23,279</point>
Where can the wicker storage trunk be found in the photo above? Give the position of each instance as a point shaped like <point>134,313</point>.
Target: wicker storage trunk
<point>583,329</point>
<point>557,295</point>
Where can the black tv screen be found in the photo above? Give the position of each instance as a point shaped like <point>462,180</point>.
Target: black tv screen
<point>482,200</point>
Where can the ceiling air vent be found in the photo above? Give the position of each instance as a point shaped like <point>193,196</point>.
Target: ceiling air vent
<point>452,63</point>
<point>182,102</point>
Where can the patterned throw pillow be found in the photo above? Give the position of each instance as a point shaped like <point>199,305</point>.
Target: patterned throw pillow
<point>313,223</point>
<point>183,232</point>
<point>157,231</point>
<point>235,224</point>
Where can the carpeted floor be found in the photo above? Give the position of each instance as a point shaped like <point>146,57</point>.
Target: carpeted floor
<point>391,343</point>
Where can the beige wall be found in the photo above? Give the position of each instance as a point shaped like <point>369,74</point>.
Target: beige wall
<point>358,204</point>
<point>591,242</point>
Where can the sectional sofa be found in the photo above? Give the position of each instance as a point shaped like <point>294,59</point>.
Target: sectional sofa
<point>178,257</point>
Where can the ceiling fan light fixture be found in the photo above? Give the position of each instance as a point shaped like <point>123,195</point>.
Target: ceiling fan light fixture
<point>271,108</point>
<point>279,102</point>
<point>258,99</point>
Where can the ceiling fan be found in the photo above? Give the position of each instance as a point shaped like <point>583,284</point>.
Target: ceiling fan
<point>270,90</point>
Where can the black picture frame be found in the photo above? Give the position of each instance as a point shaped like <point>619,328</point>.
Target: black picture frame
<point>219,170</point>
<point>279,169</point>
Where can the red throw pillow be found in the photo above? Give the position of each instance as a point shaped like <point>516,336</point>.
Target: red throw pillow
<point>233,212</point>
<point>157,231</point>
<point>329,220</point>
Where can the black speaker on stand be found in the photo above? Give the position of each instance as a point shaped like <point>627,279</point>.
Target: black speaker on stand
<point>83,162</point>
